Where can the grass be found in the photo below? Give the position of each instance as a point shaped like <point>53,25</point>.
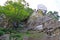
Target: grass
<point>20,35</point>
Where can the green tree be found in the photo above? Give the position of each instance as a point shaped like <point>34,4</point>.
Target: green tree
<point>15,11</point>
<point>54,15</point>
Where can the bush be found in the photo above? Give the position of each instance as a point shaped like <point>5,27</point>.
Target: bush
<point>15,35</point>
<point>1,33</point>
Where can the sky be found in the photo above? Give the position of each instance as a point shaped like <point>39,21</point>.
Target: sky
<point>53,5</point>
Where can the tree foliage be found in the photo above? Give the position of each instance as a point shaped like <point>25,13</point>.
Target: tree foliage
<point>15,11</point>
<point>54,15</point>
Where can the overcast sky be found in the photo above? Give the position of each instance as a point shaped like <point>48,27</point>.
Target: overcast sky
<point>53,5</point>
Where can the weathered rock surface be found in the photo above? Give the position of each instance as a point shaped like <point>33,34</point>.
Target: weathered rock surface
<point>47,21</point>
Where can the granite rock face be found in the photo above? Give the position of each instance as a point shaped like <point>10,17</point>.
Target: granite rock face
<point>49,24</point>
